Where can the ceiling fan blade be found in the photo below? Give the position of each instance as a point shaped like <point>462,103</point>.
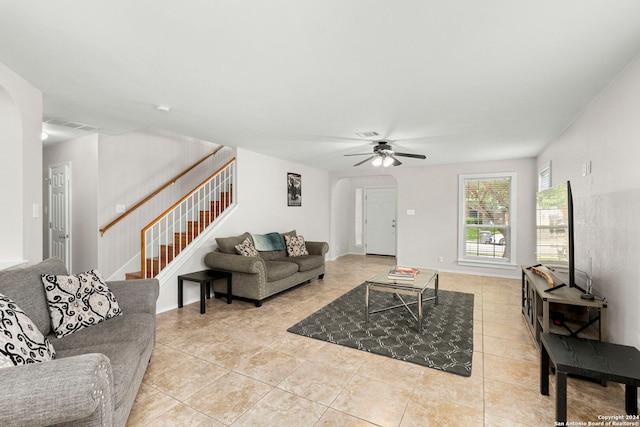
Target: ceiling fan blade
<point>414,156</point>
<point>359,154</point>
<point>364,161</point>
<point>396,162</point>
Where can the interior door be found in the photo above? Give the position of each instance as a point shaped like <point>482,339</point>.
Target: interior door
<point>380,221</point>
<point>59,212</point>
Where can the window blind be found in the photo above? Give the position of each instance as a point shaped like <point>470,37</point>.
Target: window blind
<point>486,219</point>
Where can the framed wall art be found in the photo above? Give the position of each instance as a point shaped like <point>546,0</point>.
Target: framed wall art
<point>294,189</point>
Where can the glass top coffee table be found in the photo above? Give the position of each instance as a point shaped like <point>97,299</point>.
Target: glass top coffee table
<point>381,282</point>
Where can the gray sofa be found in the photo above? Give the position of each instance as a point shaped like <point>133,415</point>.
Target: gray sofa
<point>258,278</point>
<point>97,372</point>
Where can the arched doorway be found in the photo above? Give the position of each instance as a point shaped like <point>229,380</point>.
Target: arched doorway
<point>348,232</point>
<point>11,174</point>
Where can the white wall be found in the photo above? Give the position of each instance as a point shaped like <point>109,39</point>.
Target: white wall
<point>20,166</point>
<point>83,155</point>
<point>432,192</point>
<point>262,208</point>
<point>262,198</point>
<point>607,201</point>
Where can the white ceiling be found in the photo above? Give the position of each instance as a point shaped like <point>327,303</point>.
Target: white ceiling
<point>459,81</point>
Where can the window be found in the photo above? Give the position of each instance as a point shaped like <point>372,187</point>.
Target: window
<point>544,177</point>
<point>487,220</point>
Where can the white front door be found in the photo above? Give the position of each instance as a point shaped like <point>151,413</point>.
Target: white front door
<point>381,221</point>
<point>60,212</point>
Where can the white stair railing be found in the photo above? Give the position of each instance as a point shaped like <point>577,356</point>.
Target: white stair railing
<point>170,233</point>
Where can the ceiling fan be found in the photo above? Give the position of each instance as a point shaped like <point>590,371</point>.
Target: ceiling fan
<point>383,155</point>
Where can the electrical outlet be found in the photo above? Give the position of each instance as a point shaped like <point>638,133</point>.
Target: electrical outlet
<point>120,208</point>
<point>440,259</point>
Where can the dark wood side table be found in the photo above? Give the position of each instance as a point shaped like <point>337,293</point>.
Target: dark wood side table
<point>588,358</point>
<point>205,278</point>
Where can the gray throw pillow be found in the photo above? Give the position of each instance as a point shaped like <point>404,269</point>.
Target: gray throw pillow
<point>227,245</point>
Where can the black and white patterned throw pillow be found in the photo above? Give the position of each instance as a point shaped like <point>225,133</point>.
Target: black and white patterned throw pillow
<point>20,340</point>
<point>246,248</point>
<point>78,301</point>
<point>295,246</point>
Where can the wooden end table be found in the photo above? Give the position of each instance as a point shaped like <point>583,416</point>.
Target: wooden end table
<point>205,278</point>
<point>588,358</point>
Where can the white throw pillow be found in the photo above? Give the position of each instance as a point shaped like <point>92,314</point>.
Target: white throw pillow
<point>78,301</point>
<point>20,340</point>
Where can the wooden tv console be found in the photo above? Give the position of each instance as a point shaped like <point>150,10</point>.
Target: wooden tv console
<point>561,311</point>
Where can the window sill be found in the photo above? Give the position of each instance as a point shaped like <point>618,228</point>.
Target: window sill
<point>488,264</point>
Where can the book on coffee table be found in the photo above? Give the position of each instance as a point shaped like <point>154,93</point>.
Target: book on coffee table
<point>403,274</point>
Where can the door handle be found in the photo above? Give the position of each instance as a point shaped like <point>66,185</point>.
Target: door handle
<point>63,236</point>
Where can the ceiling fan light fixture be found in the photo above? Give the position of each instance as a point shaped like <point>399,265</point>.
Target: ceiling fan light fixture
<point>384,155</point>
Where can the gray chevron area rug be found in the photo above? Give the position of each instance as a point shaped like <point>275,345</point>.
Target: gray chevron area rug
<point>446,342</point>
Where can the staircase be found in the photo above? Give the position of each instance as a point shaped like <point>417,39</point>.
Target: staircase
<point>164,238</point>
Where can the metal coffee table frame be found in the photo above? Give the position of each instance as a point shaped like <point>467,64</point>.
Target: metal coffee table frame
<point>382,283</point>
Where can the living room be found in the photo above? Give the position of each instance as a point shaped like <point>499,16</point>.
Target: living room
<point>604,135</point>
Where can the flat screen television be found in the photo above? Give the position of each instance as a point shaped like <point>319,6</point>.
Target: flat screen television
<point>555,248</point>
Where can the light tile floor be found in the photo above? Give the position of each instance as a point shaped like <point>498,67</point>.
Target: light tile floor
<point>236,365</point>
